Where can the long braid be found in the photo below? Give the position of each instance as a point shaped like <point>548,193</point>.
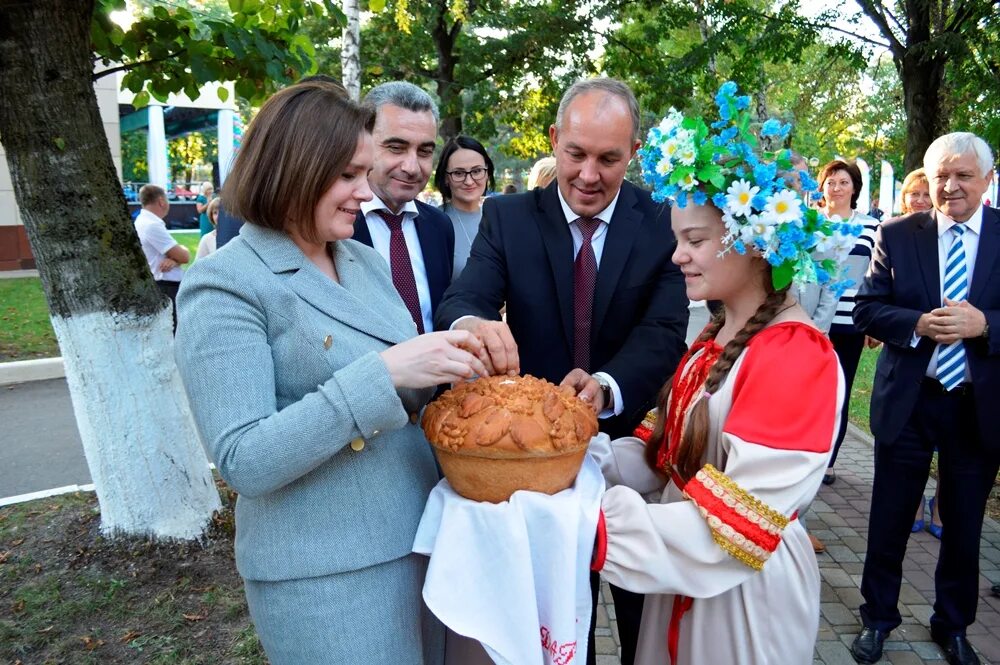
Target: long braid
<point>692,445</point>
<point>656,439</point>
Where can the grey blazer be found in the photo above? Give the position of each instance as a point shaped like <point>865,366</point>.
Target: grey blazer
<point>296,408</point>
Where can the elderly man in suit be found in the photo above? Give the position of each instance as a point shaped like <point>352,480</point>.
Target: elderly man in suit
<point>584,268</point>
<point>415,239</point>
<point>932,295</point>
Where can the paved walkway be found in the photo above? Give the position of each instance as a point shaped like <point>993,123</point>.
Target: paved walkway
<point>839,517</point>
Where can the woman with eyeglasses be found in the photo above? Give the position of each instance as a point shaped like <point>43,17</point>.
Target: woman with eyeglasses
<point>464,172</point>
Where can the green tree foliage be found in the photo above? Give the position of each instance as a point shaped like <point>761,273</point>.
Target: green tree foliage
<point>170,49</point>
<point>497,67</point>
<point>135,165</point>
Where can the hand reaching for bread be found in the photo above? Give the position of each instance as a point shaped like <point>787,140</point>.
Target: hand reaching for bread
<point>434,358</point>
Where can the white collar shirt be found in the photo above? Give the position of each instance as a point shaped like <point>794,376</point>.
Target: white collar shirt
<point>380,234</point>
<point>597,242</point>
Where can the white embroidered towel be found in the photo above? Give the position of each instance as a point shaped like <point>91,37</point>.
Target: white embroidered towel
<point>514,575</point>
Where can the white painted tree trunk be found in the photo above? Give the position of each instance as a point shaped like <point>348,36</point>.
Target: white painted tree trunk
<point>350,51</point>
<point>142,447</point>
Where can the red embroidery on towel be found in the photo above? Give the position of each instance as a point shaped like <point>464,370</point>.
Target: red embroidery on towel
<point>561,654</point>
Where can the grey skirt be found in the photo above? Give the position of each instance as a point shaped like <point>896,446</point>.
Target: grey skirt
<point>373,615</point>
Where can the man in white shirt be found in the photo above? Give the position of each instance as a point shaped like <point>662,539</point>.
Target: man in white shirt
<point>163,254</point>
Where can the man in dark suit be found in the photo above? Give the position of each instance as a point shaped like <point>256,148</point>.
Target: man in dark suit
<point>932,295</point>
<point>415,239</point>
<point>593,300</point>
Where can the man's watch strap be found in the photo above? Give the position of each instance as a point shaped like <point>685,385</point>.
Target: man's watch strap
<point>986,331</point>
<point>605,390</point>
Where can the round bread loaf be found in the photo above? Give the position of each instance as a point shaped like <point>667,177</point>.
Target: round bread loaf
<point>499,434</point>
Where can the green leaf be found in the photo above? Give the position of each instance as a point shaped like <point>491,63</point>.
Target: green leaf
<point>235,6</point>
<point>376,5</point>
<point>223,93</point>
<point>60,142</point>
<point>781,276</point>
<point>141,100</point>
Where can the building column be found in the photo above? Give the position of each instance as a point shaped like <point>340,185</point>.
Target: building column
<point>225,144</point>
<point>156,147</point>
<point>887,191</point>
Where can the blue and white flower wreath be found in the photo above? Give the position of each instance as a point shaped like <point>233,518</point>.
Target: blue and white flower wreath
<point>684,161</point>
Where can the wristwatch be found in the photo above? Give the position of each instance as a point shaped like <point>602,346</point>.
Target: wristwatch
<point>986,331</point>
<point>605,390</point>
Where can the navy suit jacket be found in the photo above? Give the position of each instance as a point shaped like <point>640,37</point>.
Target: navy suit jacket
<point>902,283</point>
<point>523,256</point>
<point>437,244</point>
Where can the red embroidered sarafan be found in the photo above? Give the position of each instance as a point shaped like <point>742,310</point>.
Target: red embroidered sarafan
<point>685,389</point>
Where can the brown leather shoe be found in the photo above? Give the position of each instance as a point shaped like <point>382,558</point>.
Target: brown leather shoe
<point>818,546</point>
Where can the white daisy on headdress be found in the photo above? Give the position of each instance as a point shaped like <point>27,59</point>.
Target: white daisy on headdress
<point>783,206</point>
<point>665,166</point>
<point>688,182</point>
<point>670,148</point>
<point>740,195</point>
<point>687,155</point>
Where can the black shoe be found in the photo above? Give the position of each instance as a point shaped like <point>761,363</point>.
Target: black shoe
<point>958,651</point>
<point>867,646</point>
<point>829,477</point>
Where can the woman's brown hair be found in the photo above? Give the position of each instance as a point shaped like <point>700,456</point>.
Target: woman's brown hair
<point>691,450</point>
<point>300,141</point>
<point>851,169</point>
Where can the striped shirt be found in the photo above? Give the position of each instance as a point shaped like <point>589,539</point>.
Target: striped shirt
<point>857,265</point>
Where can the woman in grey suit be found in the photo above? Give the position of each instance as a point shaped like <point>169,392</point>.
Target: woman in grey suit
<point>306,379</point>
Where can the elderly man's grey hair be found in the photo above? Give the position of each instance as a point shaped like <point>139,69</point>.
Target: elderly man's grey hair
<point>608,86</point>
<point>959,143</point>
<point>404,95</point>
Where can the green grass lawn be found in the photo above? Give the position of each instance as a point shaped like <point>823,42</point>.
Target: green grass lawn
<point>190,240</point>
<point>861,392</point>
<point>25,329</point>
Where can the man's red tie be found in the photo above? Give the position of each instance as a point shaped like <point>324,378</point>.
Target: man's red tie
<point>584,279</point>
<point>402,269</point>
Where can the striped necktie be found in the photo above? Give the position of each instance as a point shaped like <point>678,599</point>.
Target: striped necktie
<point>951,358</point>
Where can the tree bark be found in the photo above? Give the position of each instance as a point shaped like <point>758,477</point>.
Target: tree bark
<point>921,80</point>
<point>350,50</point>
<point>449,92</point>
<point>112,324</point>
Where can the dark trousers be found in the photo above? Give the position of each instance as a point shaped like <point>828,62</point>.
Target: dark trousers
<point>170,289</point>
<point>965,476</point>
<point>628,614</point>
<point>848,347</point>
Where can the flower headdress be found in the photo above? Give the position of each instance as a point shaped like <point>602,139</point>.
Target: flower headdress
<point>684,161</point>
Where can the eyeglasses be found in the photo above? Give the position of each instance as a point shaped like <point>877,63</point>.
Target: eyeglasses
<point>459,175</point>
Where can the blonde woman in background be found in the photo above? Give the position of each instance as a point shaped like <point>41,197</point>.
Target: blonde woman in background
<point>207,244</point>
<point>205,195</point>
<point>542,173</point>
<point>915,196</point>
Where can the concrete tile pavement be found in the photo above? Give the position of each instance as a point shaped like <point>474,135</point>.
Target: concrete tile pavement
<point>839,517</point>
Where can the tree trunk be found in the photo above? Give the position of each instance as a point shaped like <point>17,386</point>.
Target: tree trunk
<point>448,90</point>
<point>112,324</point>
<point>350,50</point>
<point>921,80</point>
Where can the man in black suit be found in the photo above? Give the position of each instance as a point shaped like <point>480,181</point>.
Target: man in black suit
<point>932,295</point>
<point>593,300</point>
<point>415,239</point>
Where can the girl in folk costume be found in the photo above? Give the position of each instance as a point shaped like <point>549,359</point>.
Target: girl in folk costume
<point>748,419</point>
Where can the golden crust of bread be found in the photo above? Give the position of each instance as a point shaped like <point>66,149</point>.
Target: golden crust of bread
<point>500,434</point>
<point>509,417</point>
